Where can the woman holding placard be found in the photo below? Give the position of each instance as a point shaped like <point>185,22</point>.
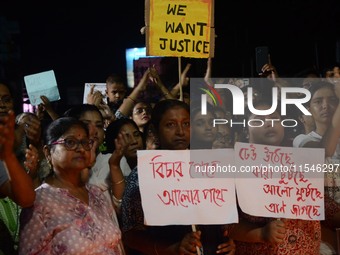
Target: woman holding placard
<point>171,120</point>
<point>270,236</point>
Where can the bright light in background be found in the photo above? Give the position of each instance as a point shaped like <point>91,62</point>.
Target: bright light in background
<point>131,55</point>
<point>26,106</point>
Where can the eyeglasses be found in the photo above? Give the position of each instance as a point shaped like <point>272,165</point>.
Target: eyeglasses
<point>72,144</point>
<point>141,110</point>
<point>6,99</point>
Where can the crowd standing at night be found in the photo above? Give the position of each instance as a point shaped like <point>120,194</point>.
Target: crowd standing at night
<point>70,179</point>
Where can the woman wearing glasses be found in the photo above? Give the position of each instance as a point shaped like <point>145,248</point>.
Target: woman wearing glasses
<point>69,216</point>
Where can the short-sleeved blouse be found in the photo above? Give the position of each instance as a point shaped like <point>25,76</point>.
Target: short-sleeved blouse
<point>60,223</point>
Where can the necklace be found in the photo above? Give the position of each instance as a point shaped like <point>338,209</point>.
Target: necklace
<point>80,192</point>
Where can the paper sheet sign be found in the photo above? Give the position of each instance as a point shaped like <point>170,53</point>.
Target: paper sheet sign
<point>280,182</point>
<point>180,28</point>
<point>41,84</point>
<point>171,195</point>
<point>97,86</point>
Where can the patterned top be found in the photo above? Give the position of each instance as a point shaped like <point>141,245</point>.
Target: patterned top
<point>9,214</point>
<point>133,216</point>
<point>3,173</point>
<point>60,223</point>
<point>132,212</point>
<point>302,237</point>
<point>120,115</point>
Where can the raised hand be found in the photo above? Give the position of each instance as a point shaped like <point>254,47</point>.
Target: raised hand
<point>94,96</point>
<point>32,160</point>
<point>46,106</point>
<point>121,145</point>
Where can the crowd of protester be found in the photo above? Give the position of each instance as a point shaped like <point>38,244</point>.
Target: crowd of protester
<point>69,181</point>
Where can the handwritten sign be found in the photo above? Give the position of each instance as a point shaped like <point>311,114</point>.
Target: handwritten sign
<point>41,84</point>
<point>280,182</point>
<point>180,28</point>
<point>97,87</point>
<point>171,195</point>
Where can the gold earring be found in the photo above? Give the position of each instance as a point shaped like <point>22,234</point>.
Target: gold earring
<point>49,164</point>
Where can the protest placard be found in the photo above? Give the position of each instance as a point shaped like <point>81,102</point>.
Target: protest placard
<point>97,87</point>
<point>172,195</point>
<point>280,182</point>
<point>41,84</point>
<point>180,28</point>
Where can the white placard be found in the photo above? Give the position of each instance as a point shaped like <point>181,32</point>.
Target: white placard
<point>41,84</point>
<point>280,182</point>
<point>97,86</point>
<point>173,192</point>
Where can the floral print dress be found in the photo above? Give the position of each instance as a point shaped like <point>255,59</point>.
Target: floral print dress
<point>60,223</point>
<point>302,237</point>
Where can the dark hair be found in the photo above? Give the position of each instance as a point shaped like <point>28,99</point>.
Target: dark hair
<point>140,101</point>
<point>60,126</point>
<point>148,126</point>
<point>289,133</point>
<point>315,86</point>
<point>163,106</point>
<point>112,131</point>
<point>79,110</point>
<point>16,97</point>
<point>115,78</point>
<point>197,108</point>
<point>262,101</point>
<point>329,67</point>
<point>6,84</point>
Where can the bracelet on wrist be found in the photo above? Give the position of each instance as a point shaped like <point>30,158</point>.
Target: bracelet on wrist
<point>133,100</point>
<point>119,182</point>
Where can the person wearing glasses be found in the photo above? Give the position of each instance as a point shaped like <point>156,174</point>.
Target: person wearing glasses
<point>141,114</point>
<point>109,178</point>
<point>69,216</point>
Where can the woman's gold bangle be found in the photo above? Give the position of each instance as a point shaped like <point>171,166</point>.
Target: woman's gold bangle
<point>119,182</point>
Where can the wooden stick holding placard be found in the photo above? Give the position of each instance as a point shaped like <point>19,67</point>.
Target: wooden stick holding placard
<point>193,227</point>
<point>179,78</point>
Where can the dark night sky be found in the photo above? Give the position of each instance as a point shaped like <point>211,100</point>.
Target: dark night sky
<point>87,42</point>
